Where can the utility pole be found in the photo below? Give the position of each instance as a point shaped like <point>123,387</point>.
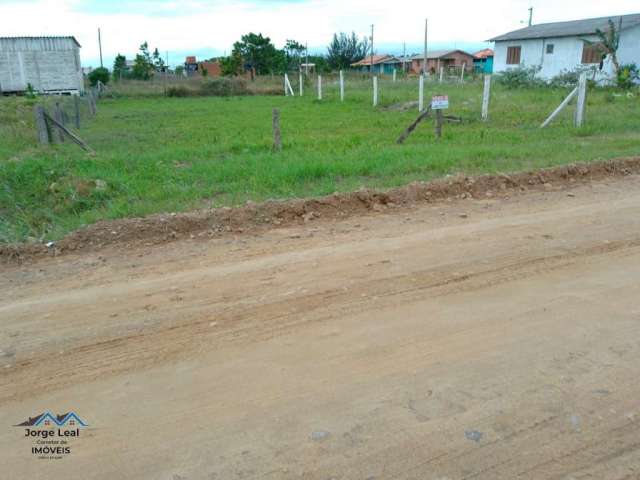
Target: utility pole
<point>530,16</point>
<point>306,65</point>
<point>371,66</point>
<point>426,30</point>
<point>100,47</point>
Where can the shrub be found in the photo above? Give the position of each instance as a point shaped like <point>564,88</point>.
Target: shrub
<point>224,87</point>
<point>627,76</point>
<point>99,74</point>
<point>180,91</point>
<point>520,77</point>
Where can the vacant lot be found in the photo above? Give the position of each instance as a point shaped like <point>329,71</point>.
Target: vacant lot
<point>174,154</point>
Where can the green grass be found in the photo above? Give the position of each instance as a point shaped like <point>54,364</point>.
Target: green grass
<point>174,154</point>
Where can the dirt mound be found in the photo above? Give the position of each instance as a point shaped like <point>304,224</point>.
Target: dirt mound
<point>160,228</point>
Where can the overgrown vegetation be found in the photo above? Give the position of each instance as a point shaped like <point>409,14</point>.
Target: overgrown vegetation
<point>174,154</point>
<point>99,74</point>
<point>520,77</point>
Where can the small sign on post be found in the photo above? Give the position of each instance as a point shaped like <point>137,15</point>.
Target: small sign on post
<point>439,103</point>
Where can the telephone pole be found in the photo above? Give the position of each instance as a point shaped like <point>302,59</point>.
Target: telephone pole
<point>100,47</point>
<point>530,16</point>
<point>371,66</point>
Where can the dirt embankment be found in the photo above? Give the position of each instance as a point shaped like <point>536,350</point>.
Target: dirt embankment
<point>160,228</point>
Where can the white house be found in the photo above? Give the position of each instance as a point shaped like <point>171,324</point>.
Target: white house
<point>48,64</point>
<point>559,47</point>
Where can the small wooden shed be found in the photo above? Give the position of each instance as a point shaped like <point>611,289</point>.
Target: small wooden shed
<point>47,64</point>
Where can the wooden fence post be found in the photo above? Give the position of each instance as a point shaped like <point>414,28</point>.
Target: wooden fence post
<point>319,87</point>
<point>41,125</point>
<point>439,123</point>
<point>582,100</point>
<point>441,74</point>
<point>394,75</point>
<point>564,103</point>
<point>57,114</point>
<point>277,139</point>
<point>286,89</point>
<point>341,86</point>
<point>464,67</point>
<point>76,106</point>
<point>421,93</point>
<point>375,91</point>
<point>301,84</point>
<point>485,97</point>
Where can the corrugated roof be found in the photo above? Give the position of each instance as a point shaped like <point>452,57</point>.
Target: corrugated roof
<point>487,52</point>
<point>44,37</point>
<point>569,29</point>
<point>377,59</point>
<point>438,54</point>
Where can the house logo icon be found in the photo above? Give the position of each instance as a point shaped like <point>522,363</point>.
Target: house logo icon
<point>49,420</point>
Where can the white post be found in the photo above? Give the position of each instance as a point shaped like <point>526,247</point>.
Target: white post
<point>464,67</point>
<point>375,91</point>
<point>394,75</point>
<point>421,93</point>
<point>319,87</point>
<point>286,89</point>
<point>441,74</point>
<point>564,103</point>
<point>301,84</point>
<point>341,86</point>
<point>582,99</point>
<point>485,97</point>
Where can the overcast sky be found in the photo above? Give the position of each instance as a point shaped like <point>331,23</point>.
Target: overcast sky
<point>209,27</point>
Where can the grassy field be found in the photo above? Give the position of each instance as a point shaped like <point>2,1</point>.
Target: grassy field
<point>160,154</point>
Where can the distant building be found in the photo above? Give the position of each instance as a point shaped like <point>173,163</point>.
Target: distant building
<point>442,58</point>
<point>483,61</point>
<point>190,66</point>
<point>213,69</point>
<point>47,64</point>
<point>561,46</point>
<point>378,64</point>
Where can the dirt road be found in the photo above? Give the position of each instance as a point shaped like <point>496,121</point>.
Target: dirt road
<point>479,338</point>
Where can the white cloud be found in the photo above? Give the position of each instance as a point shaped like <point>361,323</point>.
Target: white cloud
<point>214,26</point>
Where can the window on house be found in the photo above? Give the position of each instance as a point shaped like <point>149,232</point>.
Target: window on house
<point>550,48</point>
<point>513,55</point>
<point>591,53</point>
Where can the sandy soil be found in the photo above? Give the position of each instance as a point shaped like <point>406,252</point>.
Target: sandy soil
<point>492,338</point>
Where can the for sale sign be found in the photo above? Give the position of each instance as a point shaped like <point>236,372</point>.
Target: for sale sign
<point>440,102</point>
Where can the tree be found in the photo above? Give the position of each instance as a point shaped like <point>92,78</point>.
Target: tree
<point>100,74</point>
<point>143,66</point>
<point>346,49</point>
<point>293,53</point>
<point>230,66</point>
<point>158,63</point>
<point>119,67</point>
<point>608,43</point>
<point>179,71</point>
<point>257,53</point>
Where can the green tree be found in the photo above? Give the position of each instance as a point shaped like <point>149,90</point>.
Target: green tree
<point>346,49</point>
<point>179,70</point>
<point>230,66</point>
<point>257,53</point>
<point>143,66</point>
<point>119,67</point>
<point>294,52</point>
<point>157,60</point>
<point>100,74</point>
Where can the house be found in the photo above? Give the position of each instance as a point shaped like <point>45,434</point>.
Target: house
<point>190,66</point>
<point>213,68</point>
<point>559,47</point>
<point>483,61</point>
<point>378,64</point>
<point>442,58</point>
<point>47,64</point>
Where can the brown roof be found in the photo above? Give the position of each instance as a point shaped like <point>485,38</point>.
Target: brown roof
<point>377,59</point>
<point>487,52</point>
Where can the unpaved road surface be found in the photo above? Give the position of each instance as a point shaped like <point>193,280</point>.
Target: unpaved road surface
<point>479,338</point>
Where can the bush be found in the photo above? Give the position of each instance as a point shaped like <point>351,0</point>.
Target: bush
<point>180,91</point>
<point>224,87</point>
<point>99,74</point>
<point>520,77</point>
<point>627,76</point>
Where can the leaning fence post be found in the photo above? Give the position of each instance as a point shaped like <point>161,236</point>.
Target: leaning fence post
<point>76,106</point>
<point>485,97</point>
<point>375,91</point>
<point>41,125</point>
<point>421,93</point>
<point>319,87</point>
<point>341,86</point>
<point>582,99</point>
<point>57,114</point>
<point>277,139</point>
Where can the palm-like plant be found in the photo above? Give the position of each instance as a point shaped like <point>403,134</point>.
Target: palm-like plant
<point>608,43</point>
